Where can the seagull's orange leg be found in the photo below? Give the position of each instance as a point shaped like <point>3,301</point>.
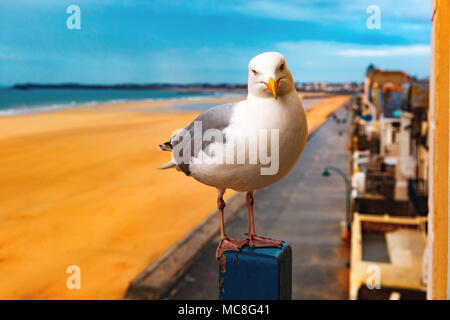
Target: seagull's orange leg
<point>225,243</point>
<point>253,239</point>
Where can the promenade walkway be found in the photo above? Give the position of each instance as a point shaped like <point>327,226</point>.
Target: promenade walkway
<point>305,210</point>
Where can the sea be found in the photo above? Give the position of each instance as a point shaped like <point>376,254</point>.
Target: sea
<point>14,101</point>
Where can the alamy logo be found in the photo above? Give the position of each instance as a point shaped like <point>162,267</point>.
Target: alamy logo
<point>74,20</point>
<point>74,280</point>
<point>374,280</point>
<point>374,20</point>
<point>213,147</point>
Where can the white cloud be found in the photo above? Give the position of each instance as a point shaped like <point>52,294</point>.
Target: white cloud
<point>325,61</point>
<point>388,51</point>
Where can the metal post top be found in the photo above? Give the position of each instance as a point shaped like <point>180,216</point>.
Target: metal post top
<point>268,252</point>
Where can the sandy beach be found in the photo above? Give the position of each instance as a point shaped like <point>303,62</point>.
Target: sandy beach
<point>80,187</point>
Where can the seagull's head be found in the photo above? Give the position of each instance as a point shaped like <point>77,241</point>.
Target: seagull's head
<point>269,76</point>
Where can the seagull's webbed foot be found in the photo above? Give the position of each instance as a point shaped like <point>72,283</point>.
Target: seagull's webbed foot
<point>255,241</point>
<point>227,244</point>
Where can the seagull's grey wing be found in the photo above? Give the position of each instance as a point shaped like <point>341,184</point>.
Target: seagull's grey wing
<point>215,118</point>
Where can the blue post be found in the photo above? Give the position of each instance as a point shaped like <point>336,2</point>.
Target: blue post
<point>256,274</point>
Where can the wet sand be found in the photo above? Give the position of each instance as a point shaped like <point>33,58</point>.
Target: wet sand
<point>79,187</point>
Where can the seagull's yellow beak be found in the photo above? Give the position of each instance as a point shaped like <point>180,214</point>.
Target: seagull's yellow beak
<point>272,85</point>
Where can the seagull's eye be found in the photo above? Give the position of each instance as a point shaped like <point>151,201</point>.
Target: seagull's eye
<point>254,72</point>
<point>282,67</point>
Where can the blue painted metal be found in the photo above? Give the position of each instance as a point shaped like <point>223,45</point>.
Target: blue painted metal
<point>259,273</point>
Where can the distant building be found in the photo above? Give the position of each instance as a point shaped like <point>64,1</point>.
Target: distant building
<point>347,87</point>
<point>384,88</point>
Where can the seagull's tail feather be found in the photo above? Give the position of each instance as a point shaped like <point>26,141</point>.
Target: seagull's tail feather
<point>168,165</point>
<point>166,146</point>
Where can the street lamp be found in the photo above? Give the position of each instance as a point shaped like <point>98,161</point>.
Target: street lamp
<point>326,173</point>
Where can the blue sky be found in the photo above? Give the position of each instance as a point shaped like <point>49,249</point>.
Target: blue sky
<point>208,41</point>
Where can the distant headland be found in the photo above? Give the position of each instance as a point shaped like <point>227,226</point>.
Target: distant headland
<point>336,88</point>
<point>134,86</point>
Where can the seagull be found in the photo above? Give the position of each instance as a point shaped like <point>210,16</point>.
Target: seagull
<point>226,146</point>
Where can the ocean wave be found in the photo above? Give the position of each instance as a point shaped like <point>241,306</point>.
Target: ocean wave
<point>36,108</point>
<point>29,109</point>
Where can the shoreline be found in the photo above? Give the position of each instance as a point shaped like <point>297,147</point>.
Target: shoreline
<point>206,96</point>
<point>54,107</point>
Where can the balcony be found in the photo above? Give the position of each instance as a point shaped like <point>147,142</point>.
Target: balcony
<point>417,192</point>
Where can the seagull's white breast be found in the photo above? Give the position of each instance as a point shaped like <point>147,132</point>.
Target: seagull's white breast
<point>252,118</point>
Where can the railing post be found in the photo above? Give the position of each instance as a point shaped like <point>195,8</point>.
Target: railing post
<point>256,274</point>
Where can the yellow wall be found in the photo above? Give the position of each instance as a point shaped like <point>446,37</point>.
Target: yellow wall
<point>439,142</point>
